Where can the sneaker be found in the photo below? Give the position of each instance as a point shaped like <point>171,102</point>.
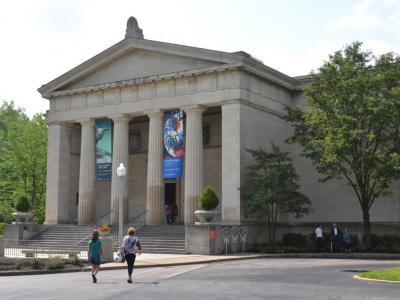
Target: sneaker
<point>129,280</point>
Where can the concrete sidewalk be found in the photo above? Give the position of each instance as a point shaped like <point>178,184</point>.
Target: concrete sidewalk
<point>149,260</point>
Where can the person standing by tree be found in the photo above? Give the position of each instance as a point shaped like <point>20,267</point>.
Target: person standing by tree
<point>94,254</point>
<point>318,238</point>
<point>336,236</point>
<point>347,241</point>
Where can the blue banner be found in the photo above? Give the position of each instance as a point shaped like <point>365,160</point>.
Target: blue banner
<point>173,145</point>
<point>103,150</point>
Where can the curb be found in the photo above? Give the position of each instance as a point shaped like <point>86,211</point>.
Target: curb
<point>376,280</point>
<point>217,260</point>
<point>39,272</point>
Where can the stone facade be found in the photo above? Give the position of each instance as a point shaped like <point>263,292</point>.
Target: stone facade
<point>231,102</point>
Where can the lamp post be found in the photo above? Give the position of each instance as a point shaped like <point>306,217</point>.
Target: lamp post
<point>121,172</point>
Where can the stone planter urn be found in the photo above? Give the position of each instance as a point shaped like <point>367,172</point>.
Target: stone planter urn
<point>205,216</point>
<point>22,217</point>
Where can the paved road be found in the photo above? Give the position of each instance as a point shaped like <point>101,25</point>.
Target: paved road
<point>246,279</point>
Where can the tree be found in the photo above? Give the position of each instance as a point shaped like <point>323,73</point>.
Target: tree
<point>23,148</point>
<point>271,187</point>
<point>350,128</point>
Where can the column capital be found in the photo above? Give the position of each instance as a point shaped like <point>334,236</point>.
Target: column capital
<point>154,113</point>
<point>194,108</point>
<point>120,118</point>
<point>87,122</point>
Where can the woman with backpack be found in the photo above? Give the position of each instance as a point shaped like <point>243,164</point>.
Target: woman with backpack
<point>131,247</point>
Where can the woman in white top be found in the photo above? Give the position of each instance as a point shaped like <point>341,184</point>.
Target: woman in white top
<point>131,247</point>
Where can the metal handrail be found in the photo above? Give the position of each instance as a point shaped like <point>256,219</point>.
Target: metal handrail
<point>88,229</point>
<point>138,222</point>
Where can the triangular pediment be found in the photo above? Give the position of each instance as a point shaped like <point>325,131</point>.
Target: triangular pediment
<point>139,63</point>
<point>134,58</point>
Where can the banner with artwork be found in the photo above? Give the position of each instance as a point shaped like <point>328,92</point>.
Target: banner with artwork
<point>173,145</point>
<point>103,150</point>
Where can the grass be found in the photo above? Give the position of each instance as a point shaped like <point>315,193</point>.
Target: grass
<point>385,274</point>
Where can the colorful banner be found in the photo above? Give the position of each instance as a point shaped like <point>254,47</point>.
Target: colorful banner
<point>173,145</point>
<point>103,150</point>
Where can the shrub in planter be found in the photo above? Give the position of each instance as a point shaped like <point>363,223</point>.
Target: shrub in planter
<point>23,204</point>
<point>1,228</point>
<point>18,265</point>
<point>36,264</point>
<point>208,199</point>
<point>55,263</point>
<point>74,260</point>
<point>294,240</point>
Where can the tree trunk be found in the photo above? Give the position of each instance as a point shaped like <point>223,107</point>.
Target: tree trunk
<point>367,226</point>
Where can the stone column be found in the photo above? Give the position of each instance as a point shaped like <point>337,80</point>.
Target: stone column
<point>155,187</point>
<point>193,161</point>
<point>230,203</point>
<point>58,173</point>
<point>87,172</point>
<point>120,154</point>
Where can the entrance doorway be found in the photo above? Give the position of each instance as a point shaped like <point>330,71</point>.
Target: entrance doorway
<point>170,199</point>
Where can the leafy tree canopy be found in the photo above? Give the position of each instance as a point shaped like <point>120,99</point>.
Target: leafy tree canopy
<point>350,127</point>
<point>23,148</point>
<point>271,187</point>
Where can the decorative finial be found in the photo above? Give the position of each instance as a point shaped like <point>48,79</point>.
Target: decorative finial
<point>133,30</point>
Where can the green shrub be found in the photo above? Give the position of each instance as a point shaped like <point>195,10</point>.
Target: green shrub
<point>294,240</point>
<point>18,265</point>
<point>36,264</point>
<point>1,228</point>
<point>208,199</point>
<point>272,249</point>
<point>55,263</point>
<point>23,204</point>
<point>74,260</point>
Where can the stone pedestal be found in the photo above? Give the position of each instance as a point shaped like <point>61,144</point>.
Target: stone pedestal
<point>107,245</point>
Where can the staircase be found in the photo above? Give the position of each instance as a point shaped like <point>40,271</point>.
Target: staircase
<point>60,237</point>
<point>153,238</point>
<point>162,239</point>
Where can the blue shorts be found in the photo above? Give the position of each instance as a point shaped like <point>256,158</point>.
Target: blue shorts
<point>95,259</point>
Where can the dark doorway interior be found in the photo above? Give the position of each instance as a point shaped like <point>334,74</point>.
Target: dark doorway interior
<point>171,209</point>
<point>170,193</point>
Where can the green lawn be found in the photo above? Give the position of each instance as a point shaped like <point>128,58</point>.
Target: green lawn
<point>385,274</point>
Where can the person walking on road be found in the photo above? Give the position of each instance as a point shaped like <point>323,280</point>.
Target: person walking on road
<point>131,247</point>
<point>94,254</point>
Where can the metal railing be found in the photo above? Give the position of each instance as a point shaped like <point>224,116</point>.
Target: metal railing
<point>20,248</point>
<point>33,248</point>
<point>138,222</point>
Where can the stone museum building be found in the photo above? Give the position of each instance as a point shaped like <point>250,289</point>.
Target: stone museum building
<point>228,102</point>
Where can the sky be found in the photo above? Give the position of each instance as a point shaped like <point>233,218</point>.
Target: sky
<point>42,39</point>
